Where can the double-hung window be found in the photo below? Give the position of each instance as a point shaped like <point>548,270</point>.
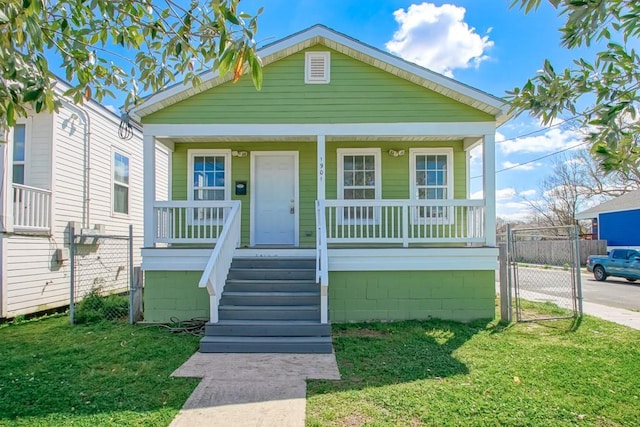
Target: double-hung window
<point>359,179</point>
<point>209,172</point>
<point>431,179</point>
<point>120,183</point>
<point>19,153</point>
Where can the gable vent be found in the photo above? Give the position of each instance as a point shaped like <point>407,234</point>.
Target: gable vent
<point>317,67</point>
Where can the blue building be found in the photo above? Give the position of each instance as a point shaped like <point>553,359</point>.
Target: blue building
<point>617,221</point>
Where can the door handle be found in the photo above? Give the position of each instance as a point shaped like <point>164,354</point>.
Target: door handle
<point>292,209</point>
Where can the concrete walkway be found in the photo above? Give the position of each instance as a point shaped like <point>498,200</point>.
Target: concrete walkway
<point>251,389</point>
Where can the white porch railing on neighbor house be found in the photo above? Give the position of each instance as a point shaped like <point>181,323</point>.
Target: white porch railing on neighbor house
<point>405,221</point>
<point>31,208</point>
<point>215,273</point>
<point>322,261</point>
<point>188,221</point>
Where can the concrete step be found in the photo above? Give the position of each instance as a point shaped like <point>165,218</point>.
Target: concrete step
<point>263,328</point>
<point>224,344</point>
<point>269,312</point>
<point>274,262</point>
<point>270,298</point>
<point>240,285</point>
<point>272,273</point>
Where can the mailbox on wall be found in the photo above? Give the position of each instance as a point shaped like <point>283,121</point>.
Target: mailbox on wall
<point>241,188</point>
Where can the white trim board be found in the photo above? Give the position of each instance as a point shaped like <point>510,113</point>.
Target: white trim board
<point>413,259</point>
<point>455,129</point>
<point>183,259</point>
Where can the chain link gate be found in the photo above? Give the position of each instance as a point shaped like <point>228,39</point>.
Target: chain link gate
<point>544,266</point>
<point>102,277</point>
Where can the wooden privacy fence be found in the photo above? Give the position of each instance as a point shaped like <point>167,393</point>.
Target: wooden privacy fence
<point>553,252</point>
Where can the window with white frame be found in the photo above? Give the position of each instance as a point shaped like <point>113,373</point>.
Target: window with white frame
<point>19,153</point>
<point>120,183</point>
<point>209,172</point>
<point>431,179</point>
<point>359,179</point>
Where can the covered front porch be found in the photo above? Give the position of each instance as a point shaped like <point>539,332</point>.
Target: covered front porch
<point>294,191</point>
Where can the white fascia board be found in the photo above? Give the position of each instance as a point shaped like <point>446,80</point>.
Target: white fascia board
<point>413,259</point>
<point>320,31</point>
<point>461,129</point>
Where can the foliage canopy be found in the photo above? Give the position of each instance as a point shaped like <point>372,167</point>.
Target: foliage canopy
<point>159,41</point>
<point>609,84</point>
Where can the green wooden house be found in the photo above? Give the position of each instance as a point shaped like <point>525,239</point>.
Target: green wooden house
<point>337,193</point>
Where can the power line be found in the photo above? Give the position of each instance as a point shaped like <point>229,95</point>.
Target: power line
<point>538,130</point>
<point>541,157</point>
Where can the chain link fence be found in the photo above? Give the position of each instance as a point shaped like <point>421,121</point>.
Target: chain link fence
<point>544,267</point>
<point>104,285</point>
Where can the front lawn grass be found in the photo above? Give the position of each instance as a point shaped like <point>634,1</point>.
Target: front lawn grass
<point>438,373</point>
<point>105,374</point>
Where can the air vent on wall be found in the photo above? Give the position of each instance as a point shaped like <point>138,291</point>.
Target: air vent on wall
<point>317,67</point>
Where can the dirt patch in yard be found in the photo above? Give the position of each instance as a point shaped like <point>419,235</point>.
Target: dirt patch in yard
<point>354,420</point>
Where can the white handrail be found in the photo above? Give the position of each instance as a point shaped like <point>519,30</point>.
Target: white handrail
<point>190,221</point>
<point>217,269</point>
<point>405,221</point>
<point>31,208</point>
<point>322,261</point>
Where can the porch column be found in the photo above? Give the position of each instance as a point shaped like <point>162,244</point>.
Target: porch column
<point>489,187</point>
<point>321,158</point>
<point>149,169</point>
<point>6,204</point>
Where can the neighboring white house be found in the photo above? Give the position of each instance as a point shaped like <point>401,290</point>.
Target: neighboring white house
<point>57,169</point>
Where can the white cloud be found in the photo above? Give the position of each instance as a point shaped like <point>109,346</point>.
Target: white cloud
<point>527,193</point>
<point>111,108</point>
<point>513,211</point>
<point>437,37</point>
<point>505,194</point>
<point>477,195</point>
<point>553,140</point>
<point>514,216</point>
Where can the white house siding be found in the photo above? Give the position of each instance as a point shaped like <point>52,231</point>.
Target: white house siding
<point>32,279</point>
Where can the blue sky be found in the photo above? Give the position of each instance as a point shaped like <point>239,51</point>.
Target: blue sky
<point>482,43</point>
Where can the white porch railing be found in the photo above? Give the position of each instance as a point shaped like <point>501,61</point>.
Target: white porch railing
<point>215,273</point>
<point>188,221</point>
<point>31,208</point>
<point>405,221</point>
<point>322,261</point>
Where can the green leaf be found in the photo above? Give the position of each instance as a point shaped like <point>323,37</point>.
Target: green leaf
<point>11,114</point>
<point>32,95</point>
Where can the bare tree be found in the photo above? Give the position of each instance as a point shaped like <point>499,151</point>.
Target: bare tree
<point>576,182</point>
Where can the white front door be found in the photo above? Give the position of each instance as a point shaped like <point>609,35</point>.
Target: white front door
<point>274,201</point>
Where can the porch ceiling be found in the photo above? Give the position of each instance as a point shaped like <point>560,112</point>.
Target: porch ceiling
<point>306,138</point>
